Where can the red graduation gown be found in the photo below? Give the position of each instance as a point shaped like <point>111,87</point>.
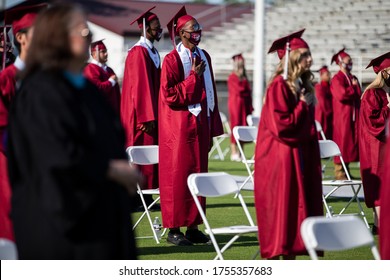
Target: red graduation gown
<point>239,101</point>
<point>141,83</point>
<point>323,109</point>
<point>287,171</point>
<point>7,91</point>
<point>184,140</point>
<point>384,223</point>
<point>346,103</point>
<point>98,76</point>
<point>373,116</point>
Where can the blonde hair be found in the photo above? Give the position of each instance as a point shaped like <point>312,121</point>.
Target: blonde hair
<point>379,82</point>
<point>294,72</point>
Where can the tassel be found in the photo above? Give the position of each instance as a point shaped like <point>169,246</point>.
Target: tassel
<point>144,28</point>
<point>286,58</point>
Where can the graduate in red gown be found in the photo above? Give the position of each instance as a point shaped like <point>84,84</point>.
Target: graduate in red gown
<point>22,20</point>
<point>239,100</point>
<point>103,76</point>
<point>141,83</point>
<point>374,113</point>
<point>287,174</point>
<point>188,119</point>
<point>384,219</point>
<point>346,92</point>
<point>323,109</point>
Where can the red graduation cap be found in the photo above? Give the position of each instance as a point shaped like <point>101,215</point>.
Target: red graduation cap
<point>286,44</point>
<point>380,63</point>
<point>173,24</point>
<point>237,57</point>
<point>146,17</point>
<point>98,45</point>
<point>323,69</point>
<point>339,56</point>
<point>293,40</point>
<point>22,17</point>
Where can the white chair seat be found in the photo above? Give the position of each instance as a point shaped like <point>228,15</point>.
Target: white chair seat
<point>341,182</point>
<point>151,192</point>
<point>234,230</point>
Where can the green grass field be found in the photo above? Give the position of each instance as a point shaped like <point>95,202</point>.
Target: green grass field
<point>227,210</point>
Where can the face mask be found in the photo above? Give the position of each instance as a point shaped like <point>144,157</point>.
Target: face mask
<point>158,35</point>
<point>347,66</point>
<point>195,37</point>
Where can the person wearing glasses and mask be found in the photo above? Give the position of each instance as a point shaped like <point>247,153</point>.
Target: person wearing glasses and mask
<point>102,75</point>
<point>288,185</point>
<point>141,83</point>
<point>346,93</point>
<point>188,120</point>
<point>22,21</point>
<point>374,113</point>
<point>68,168</point>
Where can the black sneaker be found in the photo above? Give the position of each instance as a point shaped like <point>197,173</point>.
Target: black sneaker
<point>375,230</point>
<point>196,236</point>
<point>178,239</point>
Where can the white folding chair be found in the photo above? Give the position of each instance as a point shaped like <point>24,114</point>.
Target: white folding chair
<point>145,155</point>
<point>253,120</point>
<point>342,233</point>
<point>217,141</point>
<point>246,134</point>
<point>215,185</point>
<point>8,249</point>
<point>319,129</point>
<point>329,149</point>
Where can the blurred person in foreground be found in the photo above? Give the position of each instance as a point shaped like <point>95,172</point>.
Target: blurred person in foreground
<point>188,120</point>
<point>374,115</point>
<point>346,92</point>
<point>239,100</point>
<point>288,186</point>
<point>102,76</point>
<point>22,21</point>
<point>67,165</point>
<point>323,108</point>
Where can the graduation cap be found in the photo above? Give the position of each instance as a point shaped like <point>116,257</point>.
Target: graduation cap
<point>380,63</point>
<point>173,27</point>
<point>237,57</point>
<point>22,17</point>
<point>98,45</point>
<point>145,18</point>
<point>286,44</point>
<point>323,69</point>
<point>339,56</point>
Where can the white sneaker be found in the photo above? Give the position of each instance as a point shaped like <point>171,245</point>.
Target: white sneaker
<point>235,157</point>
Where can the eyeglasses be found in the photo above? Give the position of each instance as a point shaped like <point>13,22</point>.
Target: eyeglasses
<point>159,30</point>
<point>305,54</point>
<point>85,33</point>
<point>196,27</point>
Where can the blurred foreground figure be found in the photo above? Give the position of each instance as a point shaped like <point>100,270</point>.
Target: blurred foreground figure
<point>68,169</point>
<point>22,20</point>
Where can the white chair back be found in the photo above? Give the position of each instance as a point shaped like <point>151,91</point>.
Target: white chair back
<point>329,148</point>
<point>143,155</point>
<point>8,250</point>
<point>253,120</point>
<point>245,133</point>
<point>342,233</point>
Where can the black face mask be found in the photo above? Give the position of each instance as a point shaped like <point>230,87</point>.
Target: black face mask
<point>195,37</point>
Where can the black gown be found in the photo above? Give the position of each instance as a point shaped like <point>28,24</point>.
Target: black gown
<point>61,140</point>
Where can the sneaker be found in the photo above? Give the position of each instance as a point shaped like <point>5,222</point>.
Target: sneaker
<point>178,239</point>
<point>196,236</point>
<point>235,157</point>
<point>375,230</point>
